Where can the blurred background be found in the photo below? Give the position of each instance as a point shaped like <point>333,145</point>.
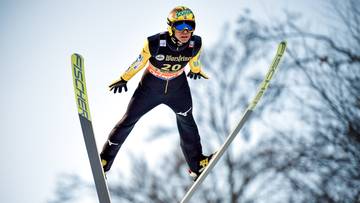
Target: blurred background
<point>301,145</point>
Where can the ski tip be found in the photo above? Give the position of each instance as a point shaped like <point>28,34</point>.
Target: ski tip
<point>77,55</point>
<point>282,47</point>
<point>283,44</point>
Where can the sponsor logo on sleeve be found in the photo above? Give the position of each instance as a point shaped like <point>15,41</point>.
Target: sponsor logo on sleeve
<point>138,61</point>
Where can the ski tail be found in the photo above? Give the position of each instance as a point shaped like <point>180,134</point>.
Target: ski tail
<point>81,98</point>
<point>263,87</point>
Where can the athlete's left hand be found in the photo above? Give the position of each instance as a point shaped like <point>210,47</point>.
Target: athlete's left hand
<point>199,75</point>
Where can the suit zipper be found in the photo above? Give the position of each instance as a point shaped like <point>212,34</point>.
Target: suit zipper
<point>166,86</point>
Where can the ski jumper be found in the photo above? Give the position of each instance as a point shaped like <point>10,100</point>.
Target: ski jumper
<point>163,82</point>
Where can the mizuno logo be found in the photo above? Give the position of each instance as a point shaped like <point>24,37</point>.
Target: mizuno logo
<point>184,113</point>
<point>112,143</point>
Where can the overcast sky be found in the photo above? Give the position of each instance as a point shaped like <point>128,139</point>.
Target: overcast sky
<point>40,131</point>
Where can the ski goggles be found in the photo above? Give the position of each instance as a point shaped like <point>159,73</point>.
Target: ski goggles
<point>184,25</point>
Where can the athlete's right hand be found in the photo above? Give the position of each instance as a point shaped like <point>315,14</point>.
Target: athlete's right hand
<point>118,85</point>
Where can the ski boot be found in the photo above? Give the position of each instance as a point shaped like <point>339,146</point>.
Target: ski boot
<point>106,163</point>
<point>203,163</point>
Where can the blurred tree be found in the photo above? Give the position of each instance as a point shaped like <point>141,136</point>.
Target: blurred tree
<point>303,142</point>
<point>316,161</point>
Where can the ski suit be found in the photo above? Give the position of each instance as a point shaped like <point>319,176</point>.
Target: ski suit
<point>163,82</point>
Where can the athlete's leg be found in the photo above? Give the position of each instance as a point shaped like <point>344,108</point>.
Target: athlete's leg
<point>141,102</point>
<point>181,103</point>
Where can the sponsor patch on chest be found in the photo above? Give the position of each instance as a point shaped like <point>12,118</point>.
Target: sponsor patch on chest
<point>163,43</point>
<point>191,44</point>
<point>160,57</point>
<point>177,58</point>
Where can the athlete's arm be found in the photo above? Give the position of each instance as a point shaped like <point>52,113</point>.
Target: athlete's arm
<point>195,67</point>
<point>138,64</point>
<point>135,67</point>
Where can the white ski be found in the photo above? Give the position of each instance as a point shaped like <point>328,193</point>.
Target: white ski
<point>77,65</point>
<point>264,85</point>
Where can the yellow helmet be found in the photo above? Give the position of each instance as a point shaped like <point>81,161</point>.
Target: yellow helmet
<point>179,14</point>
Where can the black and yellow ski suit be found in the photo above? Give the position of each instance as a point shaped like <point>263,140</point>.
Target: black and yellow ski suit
<point>164,82</point>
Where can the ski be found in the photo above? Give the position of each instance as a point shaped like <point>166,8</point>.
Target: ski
<point>81,97</point>
<point>263,87</point>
